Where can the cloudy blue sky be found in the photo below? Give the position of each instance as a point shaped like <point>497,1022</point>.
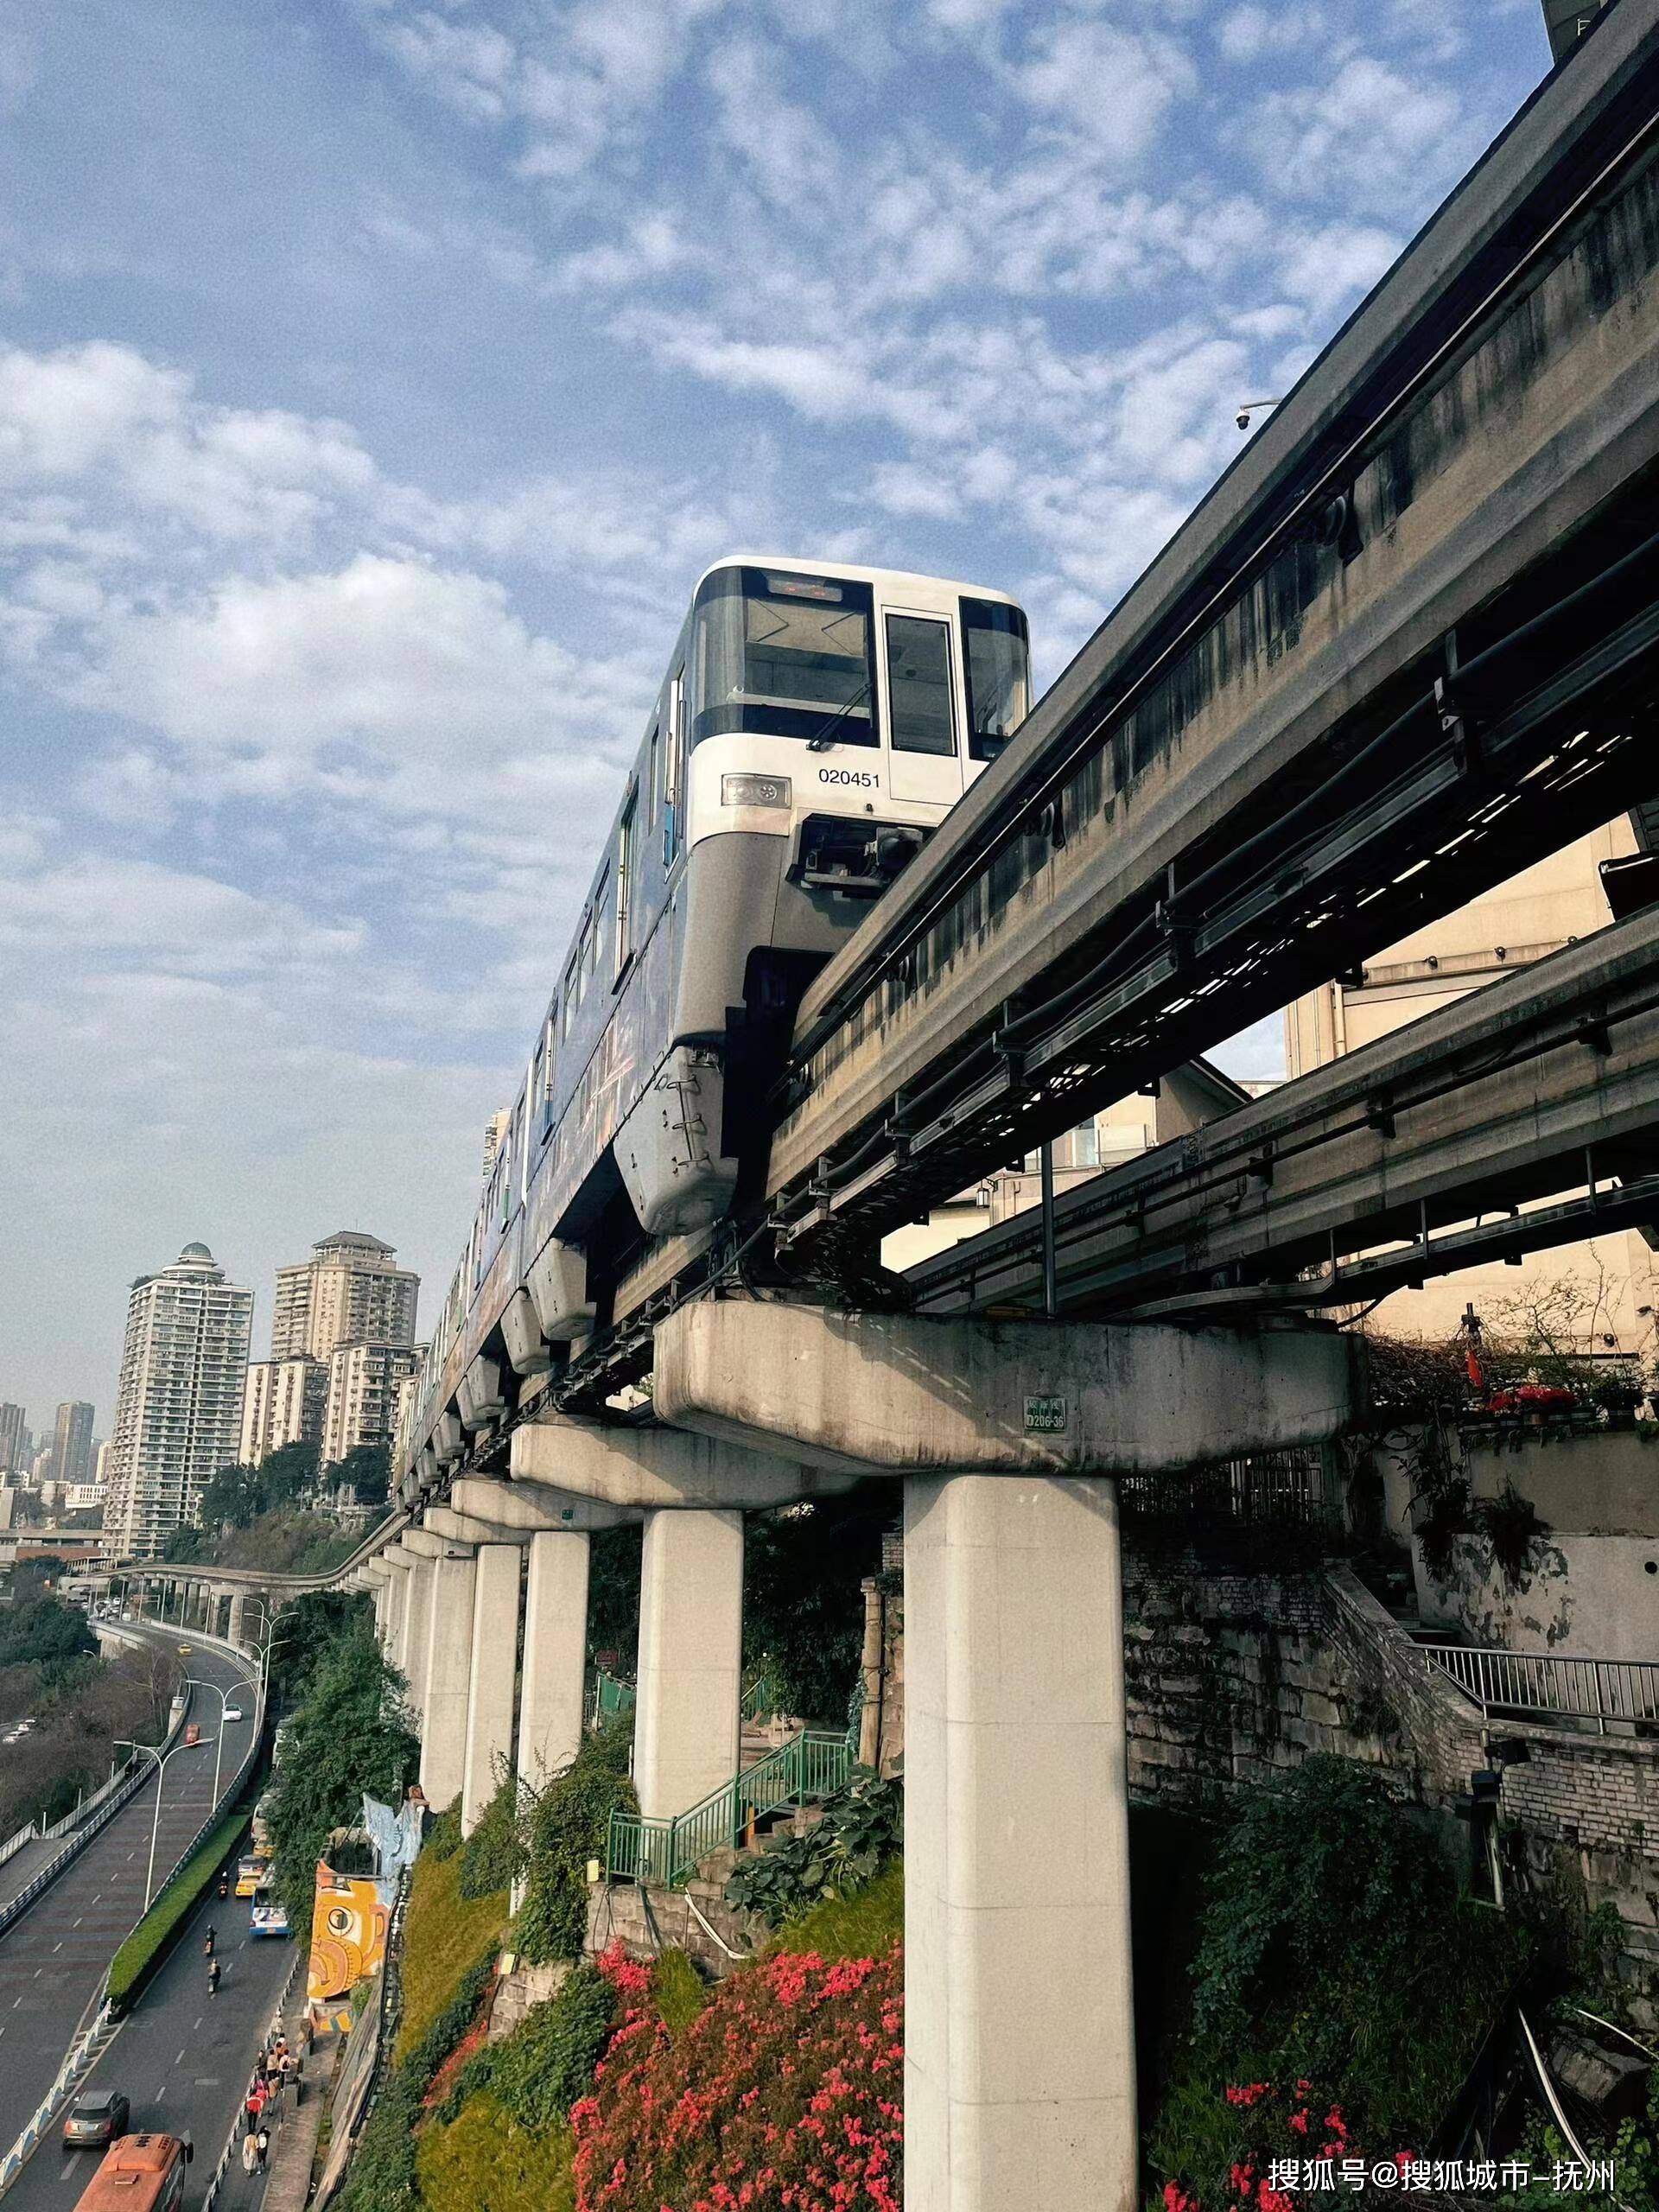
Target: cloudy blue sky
<point>375,377</point>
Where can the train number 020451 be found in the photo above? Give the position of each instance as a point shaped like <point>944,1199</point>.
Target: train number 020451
<point>866,778</point>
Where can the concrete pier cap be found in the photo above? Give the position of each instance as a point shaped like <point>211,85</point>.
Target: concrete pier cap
<point>649,1468</point>
<point>866,1393</point>
<point>522,1509</point>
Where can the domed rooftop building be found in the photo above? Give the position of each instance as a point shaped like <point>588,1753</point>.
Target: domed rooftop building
<point>178,1410</point>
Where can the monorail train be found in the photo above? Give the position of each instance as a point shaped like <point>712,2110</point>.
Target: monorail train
<point>816,723</point>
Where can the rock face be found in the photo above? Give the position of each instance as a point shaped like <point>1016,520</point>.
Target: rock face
<point>1235,1674</point>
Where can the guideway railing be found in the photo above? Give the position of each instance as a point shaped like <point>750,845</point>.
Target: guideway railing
<point>1571,1686</point>
<point>811,1766</point>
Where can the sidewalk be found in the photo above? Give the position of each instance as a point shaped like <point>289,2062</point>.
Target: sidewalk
<point>286,2183</point>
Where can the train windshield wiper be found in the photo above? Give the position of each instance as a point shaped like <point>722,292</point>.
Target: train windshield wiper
<point>820,742</point>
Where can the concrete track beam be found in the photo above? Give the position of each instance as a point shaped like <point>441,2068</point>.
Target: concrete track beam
<point>880,1393</point>
<point>527,1507</point>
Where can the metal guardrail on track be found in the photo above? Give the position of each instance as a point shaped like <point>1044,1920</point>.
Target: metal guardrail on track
<point>1564,1685</point>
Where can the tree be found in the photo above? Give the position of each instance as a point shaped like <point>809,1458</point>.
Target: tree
<point>803,1602</point>
<point>366,1470</point>
<point>307,1633</point>
<point>283,1474</point>
<point>351,1735</point>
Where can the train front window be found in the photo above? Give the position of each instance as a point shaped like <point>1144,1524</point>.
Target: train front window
<point>789,655</point>
<point>919,685</point>
<point>999,674</point>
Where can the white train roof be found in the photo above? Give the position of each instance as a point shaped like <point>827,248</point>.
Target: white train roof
<point>892,583</point>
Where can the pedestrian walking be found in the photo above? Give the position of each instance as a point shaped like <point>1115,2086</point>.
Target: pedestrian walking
<point>261,2141</point>
<point>249,2152</point>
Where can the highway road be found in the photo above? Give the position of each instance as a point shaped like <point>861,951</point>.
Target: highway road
<point>53,1962</point>
<point>182,2057</point>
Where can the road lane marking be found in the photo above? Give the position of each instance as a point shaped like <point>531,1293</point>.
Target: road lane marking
<point>76,1922</point>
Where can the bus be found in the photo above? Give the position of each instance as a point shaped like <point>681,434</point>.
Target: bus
<point>141,2173</point>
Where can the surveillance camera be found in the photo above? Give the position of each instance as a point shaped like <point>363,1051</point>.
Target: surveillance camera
<point>1243,418</point>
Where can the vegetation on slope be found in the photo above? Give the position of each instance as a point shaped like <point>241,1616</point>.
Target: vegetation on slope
<point>80,1705</point>
<point>348,1736</point>
<point>1339,1970</point>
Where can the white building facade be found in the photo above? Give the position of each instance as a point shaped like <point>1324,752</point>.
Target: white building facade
<point>368,1384</point>
<point>350,1291</point>
<point>178,1415</point>
<point>285,1402</point>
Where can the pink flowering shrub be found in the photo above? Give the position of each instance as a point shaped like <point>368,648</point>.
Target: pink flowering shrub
<point>1269,2124</point>
<point>786,2091</point>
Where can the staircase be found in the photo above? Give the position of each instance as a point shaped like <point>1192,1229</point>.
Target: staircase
<point>787,1779</point>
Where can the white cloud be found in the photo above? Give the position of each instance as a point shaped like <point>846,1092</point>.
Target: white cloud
<point>386,684</point>
<point>131,909</point>
<point>1114,86</point>
<point>1364,138</point>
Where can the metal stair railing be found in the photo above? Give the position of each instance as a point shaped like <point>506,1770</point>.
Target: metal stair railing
<point>1570,1685</point>
<point>610,1695</point>
<point>811,1766</point>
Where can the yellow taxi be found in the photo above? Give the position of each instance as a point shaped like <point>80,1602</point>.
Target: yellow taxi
<point>252,1877</point>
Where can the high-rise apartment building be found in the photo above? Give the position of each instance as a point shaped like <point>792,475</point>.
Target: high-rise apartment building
<point>285,1402</point>
<point>178,1414</point>
<point>72,1442</point>
<point>348,1292</point>
<point>14,1439</point>
<point>366,1382</point>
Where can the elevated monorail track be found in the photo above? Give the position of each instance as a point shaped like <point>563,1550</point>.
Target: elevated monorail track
<point>1522,1117</point>
<point>1408,645</point>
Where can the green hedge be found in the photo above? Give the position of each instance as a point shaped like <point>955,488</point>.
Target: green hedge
<point>149,1942</point>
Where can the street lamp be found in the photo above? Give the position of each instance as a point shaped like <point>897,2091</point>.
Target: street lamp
<point>241,1681</point>
<point>161,1759</point>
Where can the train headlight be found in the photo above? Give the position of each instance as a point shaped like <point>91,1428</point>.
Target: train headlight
<point>747,790</point>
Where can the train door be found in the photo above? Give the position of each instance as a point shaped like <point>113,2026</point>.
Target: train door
<point>924,730</point>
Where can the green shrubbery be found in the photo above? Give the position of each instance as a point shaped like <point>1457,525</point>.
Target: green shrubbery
<point>568,1825</point>
<point>493,1856</point>
<point>538,2073</point>
<point>1335,1948</point>
<point>484,2161</point>
<point>150,1941</point>
<point>862,1827</point>
<point>349,1736</point>
<point>445,1935</point>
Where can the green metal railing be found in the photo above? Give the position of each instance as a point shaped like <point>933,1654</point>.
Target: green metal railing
<point>611,1696</point>
<point>763,1691</point>
<point>809,1767</point>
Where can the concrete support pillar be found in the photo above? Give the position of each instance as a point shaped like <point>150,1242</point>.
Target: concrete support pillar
<point>493,1678</point>
<point>396,1615</point>
<point>555,1654</point>
<point>448,1671</point>
<point>1017,2098</point>
<point>236,1627</point>
<point>417,1634</point>
<point>685,1741</point>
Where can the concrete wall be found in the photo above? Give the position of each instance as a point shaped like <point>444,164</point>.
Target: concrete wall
<point>1595,1596</point>
<point>1606,1485</point>
<point>1236,1678</point>
<point>1593,1588</point>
